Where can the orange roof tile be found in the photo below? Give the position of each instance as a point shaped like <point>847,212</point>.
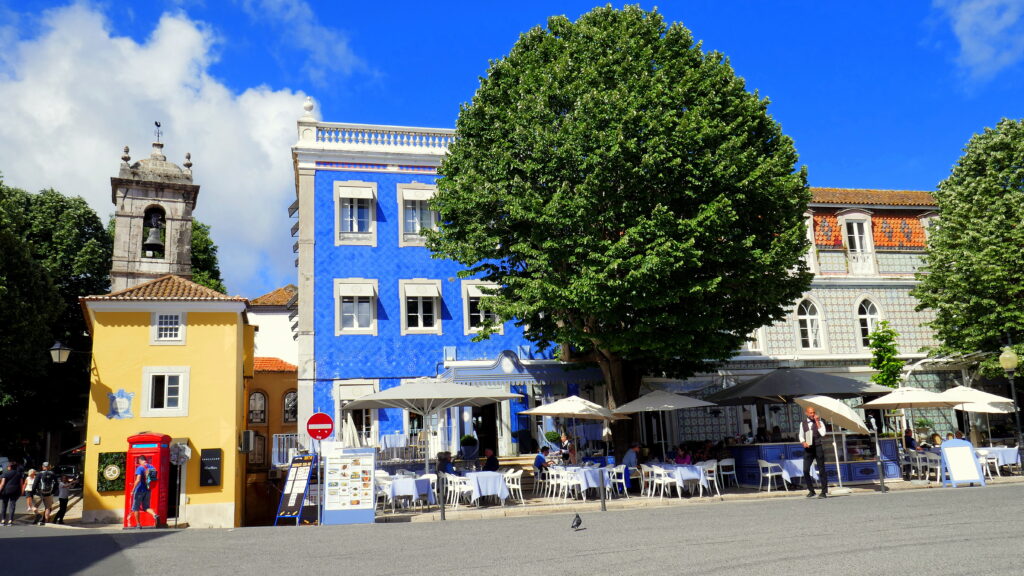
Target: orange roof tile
<point>826,231</point>
<point>860,196</point>
<point>893,231</point>
<point>279,297</point>
<point>271,364</point>
<point>168,287</point>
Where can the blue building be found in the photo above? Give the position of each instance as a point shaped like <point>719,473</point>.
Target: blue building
<point>374,309</point>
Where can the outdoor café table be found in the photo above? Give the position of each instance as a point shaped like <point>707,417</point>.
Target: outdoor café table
<point>413,488</point>
<point>487,484</point>
<point>794,468</point>
<point>1007,456</point>
<point>588,477</point>
<point>682,473</point>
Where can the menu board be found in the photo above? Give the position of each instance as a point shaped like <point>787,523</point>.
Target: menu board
<point>960,464</point>
<point>349,478</point>
<point>296,486</point>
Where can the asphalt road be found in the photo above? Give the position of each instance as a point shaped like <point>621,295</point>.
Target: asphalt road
<point>937,531</point>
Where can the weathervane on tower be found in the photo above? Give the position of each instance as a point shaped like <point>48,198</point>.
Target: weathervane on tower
<point>157,131</point>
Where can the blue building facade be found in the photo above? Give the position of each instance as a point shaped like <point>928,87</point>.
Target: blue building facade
<point>375,309</point>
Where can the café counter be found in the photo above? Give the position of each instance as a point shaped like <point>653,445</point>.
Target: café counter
<point>857,461</point>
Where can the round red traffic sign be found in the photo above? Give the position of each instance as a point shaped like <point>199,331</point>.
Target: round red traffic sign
<point>320,426</point>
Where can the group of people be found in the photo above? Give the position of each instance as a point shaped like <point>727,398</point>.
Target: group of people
<point>38,489</point>
<point>934,441</point>
<point>446,466</point>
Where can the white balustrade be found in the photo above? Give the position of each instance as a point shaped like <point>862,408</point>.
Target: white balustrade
<point>364,136</point>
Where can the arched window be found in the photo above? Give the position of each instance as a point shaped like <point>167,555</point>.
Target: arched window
<point>257,408</point>
<point>867,318</point>
<point>153,232</point>
<point>290,409</point>
<point>810,325</point>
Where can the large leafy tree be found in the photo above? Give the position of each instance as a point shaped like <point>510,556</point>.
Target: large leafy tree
<point>885,355</point>
<point>205,268</point>
<point>973,277</point>
<point>634,203</point>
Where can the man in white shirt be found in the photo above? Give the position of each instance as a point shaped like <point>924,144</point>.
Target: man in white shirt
<point>812,435</point>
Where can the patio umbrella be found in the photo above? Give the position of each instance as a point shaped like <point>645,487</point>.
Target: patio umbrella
<point>429,396</point>
<point>576,408</point>
<point>783,384</point>
<point>835,412</point>
<point>909,397</point>
<point>984,402</point>
<point>661,401</point>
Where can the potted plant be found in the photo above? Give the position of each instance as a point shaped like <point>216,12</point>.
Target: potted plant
<point>469,446</point>
<point>553,437</point>
<point>923,425</point>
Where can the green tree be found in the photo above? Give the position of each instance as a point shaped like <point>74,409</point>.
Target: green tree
<point>973,276</point>
<point>633,203</point>
<point>884,355</point>
<point>205,268</point>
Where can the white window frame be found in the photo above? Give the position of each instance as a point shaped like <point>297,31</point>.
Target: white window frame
<point>471,289</point>
<point>413,191</point>
<point>865,252</point>
<point>871,320</point>
<point>755,345</point>
<point>154,328</point>
<point>355,189</point>
<point>818,319</point>
<point>348,390</point>
<point>355,287</point>
<point>421,288</point>
<point>147,391</point>
<point>249,409</point>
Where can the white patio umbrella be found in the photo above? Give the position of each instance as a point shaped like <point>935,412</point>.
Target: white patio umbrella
<point>429,396</point>
<point>575,407</point>
<point>661,401</point>
<point>838,413</point>
<point>981,401</point>
<point>909,397</point>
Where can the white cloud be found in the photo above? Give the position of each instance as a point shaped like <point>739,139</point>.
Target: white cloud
<point>74,95</point>
<point>298,27</point>
<point>990,32</point>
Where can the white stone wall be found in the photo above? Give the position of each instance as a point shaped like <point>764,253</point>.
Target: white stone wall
<point>274,338</point>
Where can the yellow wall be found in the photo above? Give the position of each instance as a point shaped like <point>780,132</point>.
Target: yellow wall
<point>215,352</point>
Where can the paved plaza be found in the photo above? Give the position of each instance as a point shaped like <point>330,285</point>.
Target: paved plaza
<point>925,531</point>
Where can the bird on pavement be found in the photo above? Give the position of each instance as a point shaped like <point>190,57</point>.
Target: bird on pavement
<point>577,522</point>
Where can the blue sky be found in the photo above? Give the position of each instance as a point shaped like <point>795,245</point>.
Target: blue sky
<point>875,94</point>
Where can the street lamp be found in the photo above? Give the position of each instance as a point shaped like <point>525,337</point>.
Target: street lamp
<point>59,352</point>
<point>1009,360</point>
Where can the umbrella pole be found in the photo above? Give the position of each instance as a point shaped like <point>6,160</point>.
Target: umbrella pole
<point>839,469</point>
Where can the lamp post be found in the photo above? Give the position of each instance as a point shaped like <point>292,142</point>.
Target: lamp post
<point>1009,361</point>
<point>59,353</point>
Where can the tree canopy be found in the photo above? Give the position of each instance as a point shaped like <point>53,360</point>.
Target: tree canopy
<point>631,200</point>
<point>885,355</point>
<point>205,268</point>
<point>973,277</point>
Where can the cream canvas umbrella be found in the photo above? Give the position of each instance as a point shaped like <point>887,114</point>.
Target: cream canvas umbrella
<point>839,414</point>
<point>575,407</point>
<point>979,401</point>
<point>909,397</point>
<point>661,401</point>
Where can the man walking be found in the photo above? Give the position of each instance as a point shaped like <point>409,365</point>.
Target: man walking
<point>46,485</point>
<point>811,435</point>
<point>141,491</point>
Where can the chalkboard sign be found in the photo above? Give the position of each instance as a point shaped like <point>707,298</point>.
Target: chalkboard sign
<point>209,467</point>
<point>296,486</point>
<point>960,464</point>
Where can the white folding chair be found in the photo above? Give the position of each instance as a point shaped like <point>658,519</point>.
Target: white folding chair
<point>616,477</point>
<point>711,471</point>
<point>770,471</point>
<point>727,469</point>
<point>514,481</point>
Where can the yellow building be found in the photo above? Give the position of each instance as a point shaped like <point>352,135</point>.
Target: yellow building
<point>170,357</point>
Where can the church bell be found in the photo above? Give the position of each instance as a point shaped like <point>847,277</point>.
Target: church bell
<point>153,242</point>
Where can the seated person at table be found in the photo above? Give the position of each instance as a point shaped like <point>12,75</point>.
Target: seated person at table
<point>444,463</point>
<point>682,456</point>
<point>630,459</point>
<point>491,462</point>
<point>959,435</point>
<point>762,435</point>
<point>776,434</point>
<point>908,439</point>
<point>949,436</point>
<point>935,440</point>
<point>541,461</point>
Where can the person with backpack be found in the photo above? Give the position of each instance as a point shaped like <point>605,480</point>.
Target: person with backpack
<point>12,485</point>
<point>145,476</point>
<point>46,485</point>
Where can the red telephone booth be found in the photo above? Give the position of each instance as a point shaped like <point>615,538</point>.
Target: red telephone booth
<point>156,449</point>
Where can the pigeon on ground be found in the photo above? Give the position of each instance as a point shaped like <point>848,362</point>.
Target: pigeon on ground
<point>577,522</point>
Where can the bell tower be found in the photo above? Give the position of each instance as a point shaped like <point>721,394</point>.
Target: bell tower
<point>154,200</point>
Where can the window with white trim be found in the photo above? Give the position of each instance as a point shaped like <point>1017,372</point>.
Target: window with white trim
<point>810,325</point>
<point>356,307</point>
<point>415,213</point>
<point>867,320</point>
<point>364,422</point>
<point>474,316</point>
<point>355,207</point>
<point>165,391</point>
<point>290,408</point>
<point>167,328</point>
<point>257,408</point>
<point>421,306</point>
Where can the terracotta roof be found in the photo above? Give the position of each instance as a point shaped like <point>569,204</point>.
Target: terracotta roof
<point>168,287</point>
<point>271,364</point>
<point>279,297</point>
<point>859,196</point>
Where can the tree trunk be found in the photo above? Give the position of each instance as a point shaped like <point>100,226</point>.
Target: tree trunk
<point>622,384</point>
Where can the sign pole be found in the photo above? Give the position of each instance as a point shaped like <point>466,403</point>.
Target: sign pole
<point>319,484</point>
<point>320,426</point>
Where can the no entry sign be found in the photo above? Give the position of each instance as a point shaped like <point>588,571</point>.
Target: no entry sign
<point>320,426</point>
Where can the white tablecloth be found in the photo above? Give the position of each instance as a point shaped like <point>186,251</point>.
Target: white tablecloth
<point>683,473</point>
<point>794,468</point>
<point>1007,456</point>
<point>414,487</point>
<point>588,477</point>
<point>396,440</point>
<point>487,484</point>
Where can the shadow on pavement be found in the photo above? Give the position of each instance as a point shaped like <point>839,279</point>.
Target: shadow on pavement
<point>39,550</point>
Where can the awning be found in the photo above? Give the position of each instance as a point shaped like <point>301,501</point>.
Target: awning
<point>355,192</point>
<point>417,194</point>
<point>475,290</point>
<point>355,289</point>
<point>421,290</point>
